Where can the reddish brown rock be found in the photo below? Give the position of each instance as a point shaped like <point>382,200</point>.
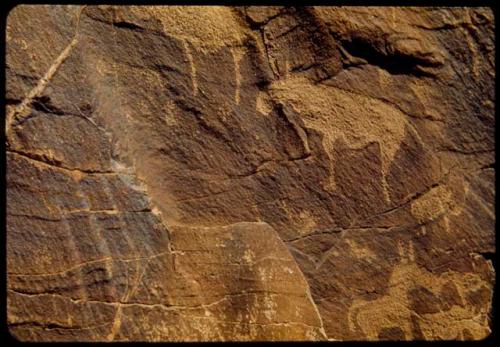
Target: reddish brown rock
<point>257,173</point>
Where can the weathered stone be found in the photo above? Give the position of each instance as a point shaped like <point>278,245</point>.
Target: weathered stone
<point>255,173</point>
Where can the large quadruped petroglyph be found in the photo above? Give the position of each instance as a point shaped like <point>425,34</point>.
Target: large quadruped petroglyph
<point>249,173</point>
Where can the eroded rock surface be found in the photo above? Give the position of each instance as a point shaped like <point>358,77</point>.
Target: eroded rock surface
<point>257,173</point>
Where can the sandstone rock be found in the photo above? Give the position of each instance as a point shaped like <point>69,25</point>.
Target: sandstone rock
<point>254,173</point>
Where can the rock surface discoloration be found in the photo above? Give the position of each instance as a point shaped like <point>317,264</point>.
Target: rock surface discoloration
<point>252,173</point>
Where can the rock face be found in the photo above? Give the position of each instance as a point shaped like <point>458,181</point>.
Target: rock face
<point>260,173</point>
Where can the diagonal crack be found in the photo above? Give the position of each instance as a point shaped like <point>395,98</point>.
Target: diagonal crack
<point>19,112</point>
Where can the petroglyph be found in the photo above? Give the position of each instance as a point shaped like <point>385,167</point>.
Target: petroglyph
<point>238,54</point>
<point>201,25</point>
<point>192,66</point>
<point>444,321</point>
<point>329,111</point>
<point>250,173</point>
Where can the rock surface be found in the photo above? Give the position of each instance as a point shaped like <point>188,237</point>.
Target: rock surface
<point>259,173</point>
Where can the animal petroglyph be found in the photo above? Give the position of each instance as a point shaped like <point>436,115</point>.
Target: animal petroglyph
<point>329,110</point>
<point>444,321</point>
<point>210,173</point>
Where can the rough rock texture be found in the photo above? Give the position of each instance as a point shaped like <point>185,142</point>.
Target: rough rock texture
<point>262,173</point>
